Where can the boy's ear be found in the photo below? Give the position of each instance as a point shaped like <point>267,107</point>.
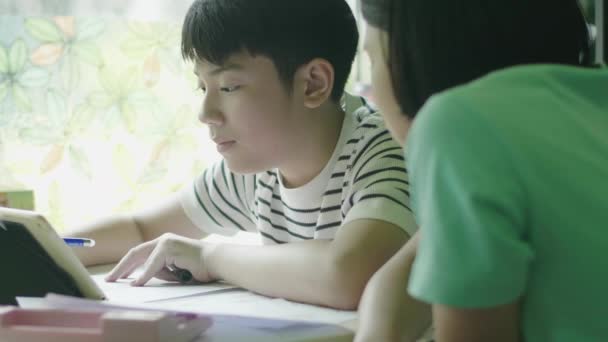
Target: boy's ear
<point>316,81</point>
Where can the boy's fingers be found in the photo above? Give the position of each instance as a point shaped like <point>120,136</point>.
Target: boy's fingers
<point>134,258</point>
<point>155,263</point>
<point>125,264</point>
<point>129,271</point>
<point>167,275</point>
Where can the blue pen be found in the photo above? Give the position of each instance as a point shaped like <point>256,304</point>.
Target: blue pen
<point>79,242</point>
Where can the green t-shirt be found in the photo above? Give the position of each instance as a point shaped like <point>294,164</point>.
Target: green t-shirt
<point>510,188</point>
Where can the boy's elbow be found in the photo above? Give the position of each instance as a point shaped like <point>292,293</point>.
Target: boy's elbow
<point>346,285</point>
<point>344,299</point>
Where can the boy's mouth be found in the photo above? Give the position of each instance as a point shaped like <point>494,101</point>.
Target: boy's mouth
<point>223,146</point>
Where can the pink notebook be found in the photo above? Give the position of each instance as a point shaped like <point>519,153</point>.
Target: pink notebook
<point>49,325</point>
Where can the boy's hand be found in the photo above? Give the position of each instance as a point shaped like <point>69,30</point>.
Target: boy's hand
<point>159,255</point>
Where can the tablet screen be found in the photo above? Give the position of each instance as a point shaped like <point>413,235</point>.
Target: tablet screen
<point>28,269</point>
<point>36,261</point>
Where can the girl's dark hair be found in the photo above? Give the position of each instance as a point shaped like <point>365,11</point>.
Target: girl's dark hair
<point>290,33</point>
<point>435,45</point>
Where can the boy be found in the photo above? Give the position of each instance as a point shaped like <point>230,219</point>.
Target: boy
<point>324,184</point>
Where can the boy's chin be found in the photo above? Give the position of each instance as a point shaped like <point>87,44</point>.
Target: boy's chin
<point>245,168</point>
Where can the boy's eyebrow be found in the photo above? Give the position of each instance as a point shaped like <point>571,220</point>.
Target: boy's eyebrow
<point>226,67</point>
<point>221,69</point>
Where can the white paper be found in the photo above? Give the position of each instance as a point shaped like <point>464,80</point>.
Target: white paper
<point>56,301</point>
<point>245,303</point>
<point>217,298</point>
<point>156,289</point>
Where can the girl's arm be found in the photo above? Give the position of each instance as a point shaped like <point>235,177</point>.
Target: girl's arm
<point>499,324</point>
<point>387,312</point>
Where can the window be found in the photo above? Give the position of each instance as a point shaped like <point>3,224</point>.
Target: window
<point>97,108</point>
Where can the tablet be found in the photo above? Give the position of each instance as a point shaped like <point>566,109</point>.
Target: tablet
<point>36,261</point>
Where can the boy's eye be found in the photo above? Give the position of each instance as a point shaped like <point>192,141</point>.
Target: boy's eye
<point>229,89</point>
<point>201,88</point>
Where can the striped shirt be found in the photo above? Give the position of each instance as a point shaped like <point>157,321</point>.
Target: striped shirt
<point>364,179</point>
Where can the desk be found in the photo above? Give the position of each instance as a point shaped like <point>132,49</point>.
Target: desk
<point>221,299</point>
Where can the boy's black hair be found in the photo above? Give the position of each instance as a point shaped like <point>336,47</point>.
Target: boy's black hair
<point>435,45</point>
<point>290,33</point>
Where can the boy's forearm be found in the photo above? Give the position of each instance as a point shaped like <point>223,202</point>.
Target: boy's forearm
<point>324,272</point>
<point>387,311</point>
<point>303,272</point>
<point>113,238</point>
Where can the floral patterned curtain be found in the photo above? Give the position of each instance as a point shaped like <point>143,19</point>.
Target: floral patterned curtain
<point>97,114</point>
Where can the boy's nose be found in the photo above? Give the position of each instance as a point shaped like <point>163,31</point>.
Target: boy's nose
<point>210,114</point>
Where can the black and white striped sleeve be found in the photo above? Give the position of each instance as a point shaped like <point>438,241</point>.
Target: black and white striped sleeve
<point>377,185</point>
<point>220,202</point>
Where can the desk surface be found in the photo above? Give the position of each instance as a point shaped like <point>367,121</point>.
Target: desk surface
<point>224,299</point>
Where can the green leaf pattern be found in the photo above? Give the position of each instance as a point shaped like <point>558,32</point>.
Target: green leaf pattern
<point>90,28</point>
<point>90,132</point>
<point>3,60</point>
<point>3,90</point>
<point>19,78</point>
<point>22,101</point>
<point>17,57</point>
<point>44,30</point>
<point>34,77</point>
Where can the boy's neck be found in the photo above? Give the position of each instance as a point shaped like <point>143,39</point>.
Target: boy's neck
<point>317,145</point>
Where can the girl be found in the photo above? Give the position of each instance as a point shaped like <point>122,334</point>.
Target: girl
<point>506,152</point>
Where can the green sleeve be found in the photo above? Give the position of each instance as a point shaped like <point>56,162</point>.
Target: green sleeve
<point>470,205</point>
